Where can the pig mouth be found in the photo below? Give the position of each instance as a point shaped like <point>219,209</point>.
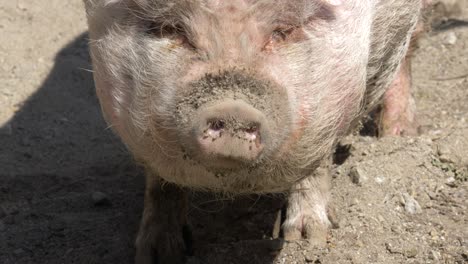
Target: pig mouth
<point>231,120</point>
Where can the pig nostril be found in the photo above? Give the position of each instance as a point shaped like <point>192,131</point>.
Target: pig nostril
<point>252,129</point>
<point>253,133</point>
<point>216,125</point>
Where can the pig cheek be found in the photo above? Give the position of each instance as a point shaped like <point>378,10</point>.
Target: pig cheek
<point>109,103</point>
<point>297,132</point>
<point>279,74</point>
<point>349,105</point>
<point>196,71</point>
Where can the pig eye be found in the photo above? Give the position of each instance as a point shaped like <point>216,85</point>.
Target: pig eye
<point>174,32</point>
<point>281,34</point>
<point>164,31</point>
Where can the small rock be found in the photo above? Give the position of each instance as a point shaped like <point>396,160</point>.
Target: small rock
<point>411,253</point>
<point>101,199</point>
<point>451,38</point>
<point>379,180</point>
<point>357,175</point>
<point>411,205</point>
<point>9,208</point>
<point>451,182</point>
<point>70,250</point>
<point>443,149</point>
<point>381,218</point>
<point>434,255</point>
<point>9,219</point>
<point>447,158</point>
<point>275,244</point>
<point>432,195</point>
<point>396,229</point>
<point>19,252</point>
<point>310,257</point>
<point>57,226</point>
<point>393,248</point>
<point>359,243</point>
<point>21,6</point>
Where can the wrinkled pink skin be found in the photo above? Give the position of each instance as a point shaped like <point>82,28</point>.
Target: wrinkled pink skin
<point>329,68</point>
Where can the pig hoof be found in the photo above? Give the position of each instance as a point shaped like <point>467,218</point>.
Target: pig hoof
<point>306,228</point>
<point>164,247</point>
<point>399,129</point>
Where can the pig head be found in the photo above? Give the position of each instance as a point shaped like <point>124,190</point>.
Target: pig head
<point>235,96</point>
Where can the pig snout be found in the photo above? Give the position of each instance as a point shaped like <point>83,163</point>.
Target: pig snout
<point>232,120</point>
<point>231,131</point>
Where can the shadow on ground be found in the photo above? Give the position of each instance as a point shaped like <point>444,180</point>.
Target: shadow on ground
<point>56,153</point>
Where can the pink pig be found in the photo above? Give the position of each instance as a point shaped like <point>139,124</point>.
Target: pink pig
<point>246,96</point>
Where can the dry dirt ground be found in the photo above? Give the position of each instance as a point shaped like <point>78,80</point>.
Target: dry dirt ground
<point>70,193</point>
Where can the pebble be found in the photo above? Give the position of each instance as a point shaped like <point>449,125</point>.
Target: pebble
<point>411,205</point>
<point>357,175</point>
<point>451,182</point>
<point>392,248</point>
<point>9,219</point>
<point>379,180</point>
<point>310,257</point>
<point>275,244</point>
<point>359,243</point>
<point>21,6</point>
<point>381,218</point>
<point>450,38</point>
<point>434,255</point>
<point>57,225</point>
<point>354,202</point>
<point>411,253</point>
<point>9,208</point>
<point>448,158</point>
<point>396,229</point>
<point>19,252</point>
<point>100,199</point>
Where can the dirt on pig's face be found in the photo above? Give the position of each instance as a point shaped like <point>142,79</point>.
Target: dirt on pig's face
<point>234,96</point>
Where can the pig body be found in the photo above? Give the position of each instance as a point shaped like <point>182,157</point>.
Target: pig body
<point>242,97</point>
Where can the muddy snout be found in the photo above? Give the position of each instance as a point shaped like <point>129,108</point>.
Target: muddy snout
<point>232,120</point>
<point>230,131</point>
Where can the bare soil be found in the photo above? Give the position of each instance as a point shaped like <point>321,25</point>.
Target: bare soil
<point>70,192</point>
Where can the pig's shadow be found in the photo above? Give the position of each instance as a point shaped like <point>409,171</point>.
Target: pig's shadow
<point>56,152</point>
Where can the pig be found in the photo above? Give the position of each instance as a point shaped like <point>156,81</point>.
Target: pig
<point>246,97</point>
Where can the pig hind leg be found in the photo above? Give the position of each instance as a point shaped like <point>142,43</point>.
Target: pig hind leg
<point>163,235</point>
<point>398,112</point>
<point>397,116</point>
<point>307,214</point>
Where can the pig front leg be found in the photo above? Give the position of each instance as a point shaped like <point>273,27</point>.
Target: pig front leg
<point>307,209</point>
<point>163,231</point>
